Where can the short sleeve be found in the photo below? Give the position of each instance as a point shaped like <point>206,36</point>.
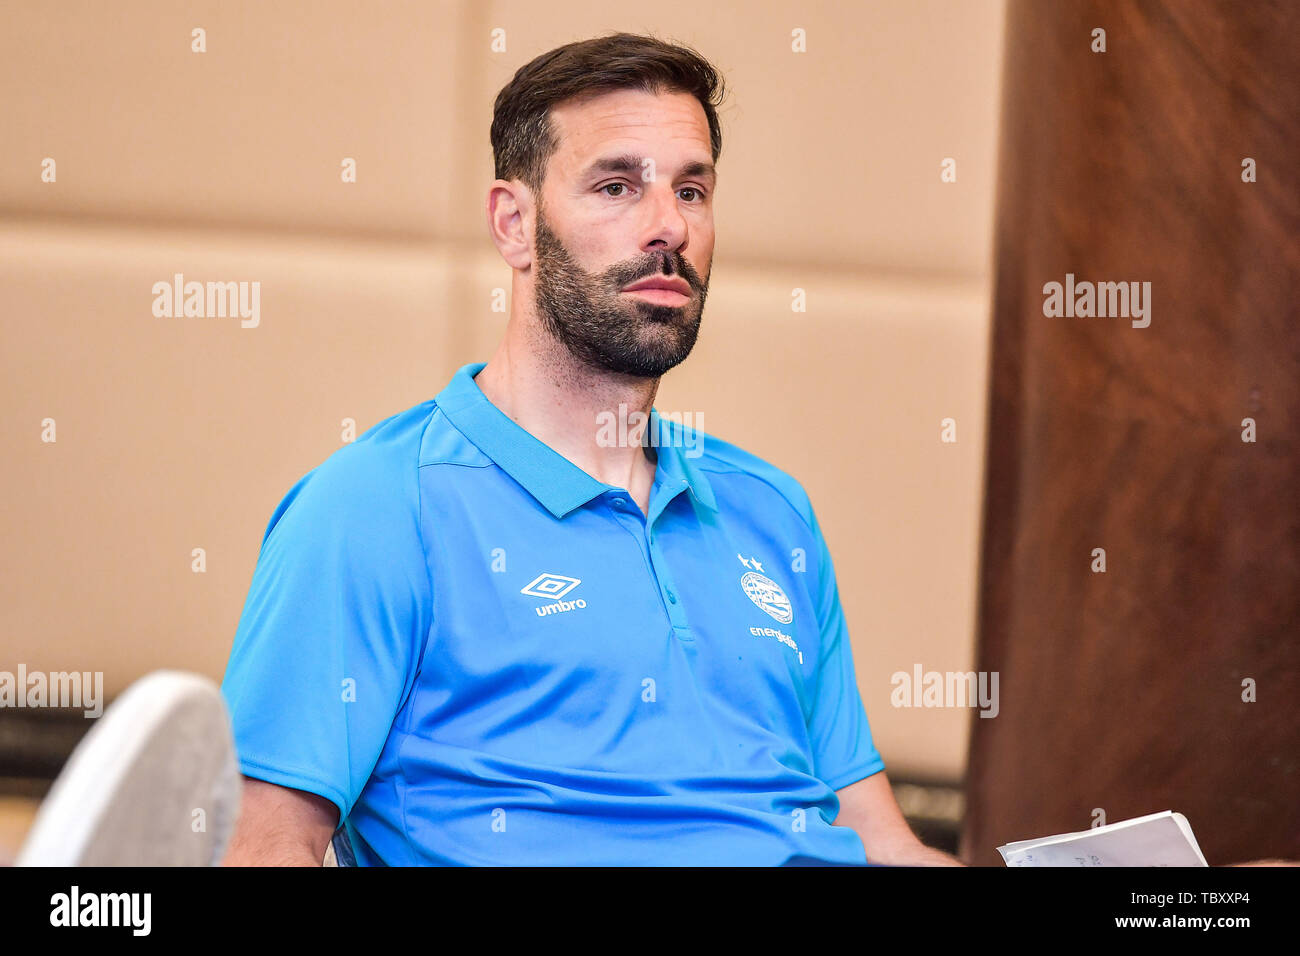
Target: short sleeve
<point>843,752</point>
<point>333,627</point>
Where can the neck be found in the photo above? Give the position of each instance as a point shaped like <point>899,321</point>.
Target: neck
<point>548,394</point>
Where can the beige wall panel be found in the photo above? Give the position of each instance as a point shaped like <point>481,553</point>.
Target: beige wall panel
<point>178,433</point>
<point>254,130</point>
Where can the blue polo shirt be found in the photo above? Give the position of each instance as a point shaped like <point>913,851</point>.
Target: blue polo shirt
<point>483,655</point>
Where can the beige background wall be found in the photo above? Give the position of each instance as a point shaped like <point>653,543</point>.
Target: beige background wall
<point>175,434</point>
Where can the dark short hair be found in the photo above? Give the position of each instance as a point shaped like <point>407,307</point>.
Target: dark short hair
<point>523,139</point>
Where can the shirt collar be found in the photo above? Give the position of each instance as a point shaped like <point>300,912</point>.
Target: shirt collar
<point>676,464</point>
<point>548,476</point>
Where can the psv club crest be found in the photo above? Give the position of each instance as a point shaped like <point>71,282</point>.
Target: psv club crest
<point>767,594</point>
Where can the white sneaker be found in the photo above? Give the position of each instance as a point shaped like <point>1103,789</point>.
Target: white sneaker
<point>154,783</point>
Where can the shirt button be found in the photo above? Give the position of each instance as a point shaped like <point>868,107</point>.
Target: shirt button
<point>619,502</point>
<point>672,597</point>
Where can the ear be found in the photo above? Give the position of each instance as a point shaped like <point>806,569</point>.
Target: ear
<point>509,219</point>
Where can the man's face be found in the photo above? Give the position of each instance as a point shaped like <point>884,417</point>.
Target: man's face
<point>608,219</point>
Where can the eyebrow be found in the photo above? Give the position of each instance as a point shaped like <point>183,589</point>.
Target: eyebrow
<point>631,164</point>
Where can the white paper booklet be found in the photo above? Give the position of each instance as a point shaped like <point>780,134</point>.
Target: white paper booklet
<point>1160,839</point>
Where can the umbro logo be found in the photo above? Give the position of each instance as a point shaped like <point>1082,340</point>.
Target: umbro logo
<point>553,586</point>
<point>550,586</point>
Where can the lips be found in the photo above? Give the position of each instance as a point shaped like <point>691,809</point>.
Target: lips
<point>660,284</point>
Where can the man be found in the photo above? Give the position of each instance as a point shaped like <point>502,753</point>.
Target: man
<point>486,633</point>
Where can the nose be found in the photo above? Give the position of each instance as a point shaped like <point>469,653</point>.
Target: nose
<point>665,229</point>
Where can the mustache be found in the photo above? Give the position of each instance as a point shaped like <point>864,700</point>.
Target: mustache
<point>654,265</point>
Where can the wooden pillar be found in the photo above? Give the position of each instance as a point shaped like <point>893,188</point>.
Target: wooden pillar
<point>1123,690</point>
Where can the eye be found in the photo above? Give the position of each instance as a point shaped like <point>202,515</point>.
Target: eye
<point>692,189</point>
<point>622,186</point>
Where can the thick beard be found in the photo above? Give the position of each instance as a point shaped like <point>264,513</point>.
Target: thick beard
<point>604,329</point>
